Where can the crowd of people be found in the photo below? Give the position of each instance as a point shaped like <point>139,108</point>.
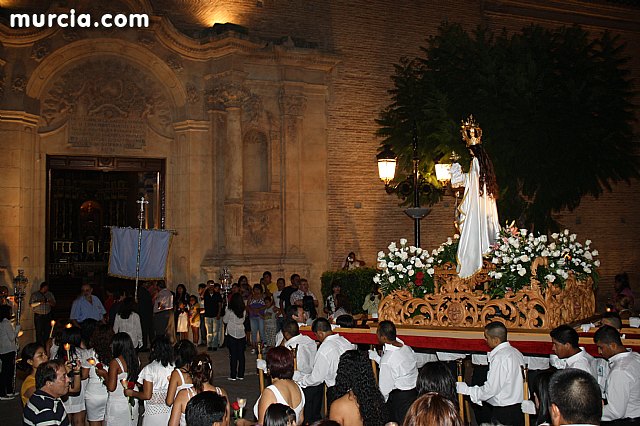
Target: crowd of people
<point>89,369</point>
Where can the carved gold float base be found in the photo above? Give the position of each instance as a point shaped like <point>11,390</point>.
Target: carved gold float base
<point>460,302</point>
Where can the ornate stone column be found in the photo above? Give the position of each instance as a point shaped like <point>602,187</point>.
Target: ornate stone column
<point>292,105</point>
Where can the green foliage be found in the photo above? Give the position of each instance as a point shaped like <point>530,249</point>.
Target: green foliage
<point>355,284</point>
<point>555,108</point>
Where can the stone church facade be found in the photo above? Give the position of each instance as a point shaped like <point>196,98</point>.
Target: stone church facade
<point>261,137</point>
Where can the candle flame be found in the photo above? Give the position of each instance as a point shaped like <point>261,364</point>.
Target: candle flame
<point>67,346</point>
<point>69,325</point>
<point>91,361</point>
<point>53,322</point>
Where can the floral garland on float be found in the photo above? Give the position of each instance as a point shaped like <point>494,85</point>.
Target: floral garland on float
<point>547,274</point>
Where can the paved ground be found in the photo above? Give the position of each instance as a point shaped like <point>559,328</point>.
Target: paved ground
<point>11,411</point>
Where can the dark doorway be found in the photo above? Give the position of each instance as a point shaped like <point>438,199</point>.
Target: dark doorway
<point>85,196</point>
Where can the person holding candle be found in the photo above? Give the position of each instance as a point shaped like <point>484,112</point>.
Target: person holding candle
<point>73,351</point>
<point>202,375</point>
<point>33,355</point>
<point>122,374</point>
<point>41,302</point>
<point>98,357</point>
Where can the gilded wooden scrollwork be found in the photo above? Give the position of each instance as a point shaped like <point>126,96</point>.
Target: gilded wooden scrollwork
<point>462,303</point>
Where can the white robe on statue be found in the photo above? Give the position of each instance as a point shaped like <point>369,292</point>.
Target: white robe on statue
<point>479,224</point>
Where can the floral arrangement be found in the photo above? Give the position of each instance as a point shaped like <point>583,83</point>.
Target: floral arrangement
<point>411,268</point>
<point>516,250</point>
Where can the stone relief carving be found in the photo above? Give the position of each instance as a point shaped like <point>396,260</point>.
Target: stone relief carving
<point>252,109</point>
<point>40,50</point>
<point>292,104</point>
<point>227,95</point>
<point>260,217</point>
<point>19,84</point>
<point>193,96</point>
<point>174,63</point>
<point>108,92</point>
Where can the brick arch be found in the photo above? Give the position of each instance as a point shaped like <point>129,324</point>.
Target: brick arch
<point>80,51</point>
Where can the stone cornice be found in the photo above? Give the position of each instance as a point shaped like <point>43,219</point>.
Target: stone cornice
<point>604,15</point>
<point>26,118</point>
<point>195,125</point>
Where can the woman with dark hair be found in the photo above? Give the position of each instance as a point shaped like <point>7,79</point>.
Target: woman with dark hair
<point>343,307</point>
<point>95,394</point>
<point>73,350</point>
<point>540,403</point>
<point>279,415</point>
<point>437,377</point>
<point>32,356</point>
<point>155,381</point>
<point>359,401</point>
<point>283,389</point>
<point>123,374</point>
<point>255,308</point>
<point>128,321</point>
<point>184,351</point>
<point>236,339</point>
<point>202,375</point>
<point>478,221</point>
<point>432,409</point>
<point>180,307</point>
<point>8,351</point>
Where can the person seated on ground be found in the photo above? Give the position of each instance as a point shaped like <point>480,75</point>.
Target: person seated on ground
<point>359,401</point>
<point>283,389</point>
<point>207,409</point>
<point>503,390</point>
<point>201,369</point>
<point>565,346</point>
<point>538,405</point>
<point>575,398</point>
<point>279,415</point>
<point>432,409</point>
<point>437,377</point>
<point>622,390</point>
<point>33,355</point>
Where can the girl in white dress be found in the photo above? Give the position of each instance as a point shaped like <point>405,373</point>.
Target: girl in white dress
<point>155,382</point>
<point>96,395</point>
<point>184,352</point>
<point>123,369</point>
<point>202,375</point>
<point>72,349</point>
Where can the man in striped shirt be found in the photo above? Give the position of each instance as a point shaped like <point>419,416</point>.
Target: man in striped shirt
<point>45,406</point>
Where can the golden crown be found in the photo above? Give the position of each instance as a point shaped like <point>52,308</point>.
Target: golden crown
<point>471,132</point>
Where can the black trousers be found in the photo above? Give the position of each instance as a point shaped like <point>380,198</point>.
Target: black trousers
<point>510,415</point>
<point>622,422</point>
<point>148,333</point>
<point>313,397</point>
<point>236,355</point>
<point>6,374</point>
<point>43,327</point>
<point>399,402</point>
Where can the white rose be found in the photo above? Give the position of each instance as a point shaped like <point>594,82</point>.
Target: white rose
<point>380,254</point>
<point>399,268</point>
<point>400,276</point>
<point>544,253</point>
<point>449,241</point>
<point>382,264</point>
<point>543,238</point>
<point>376,279</point>
<point>412,249</point>
<point>430,271</point>
<point>587,270</point>
<point>572,237</point>
<point>403,241</point>
<point>419,263</point>
<point>495,260</point>
<point>594,253</point>
<point>456,236</point>
<point>391,264</point>
<point>566,232</point>
<point>411,272</point>
<point>392,279</point>
<point>587,243</point>
<point>554,236</point>
<point>434,252</point>
<point>559,272</point>
<point>522,272</point>
<point>524,258</point>
<point>552,246</point>
<point>523,232</point>
<point>497,275</point>
<point>418,251</point>
<point>392,246</point>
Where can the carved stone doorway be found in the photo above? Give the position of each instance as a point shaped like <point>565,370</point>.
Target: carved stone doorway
<point>86,195</point>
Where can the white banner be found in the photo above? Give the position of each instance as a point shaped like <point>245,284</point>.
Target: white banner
<point>154,251</point>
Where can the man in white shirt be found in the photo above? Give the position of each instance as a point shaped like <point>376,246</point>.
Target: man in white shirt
<point>325,363</point>
<point>305,355</point>
<point>565,346</point>
<point>622,389</point>
<point>575,398</point>
<point>398,372</point>
<point>503,390</point>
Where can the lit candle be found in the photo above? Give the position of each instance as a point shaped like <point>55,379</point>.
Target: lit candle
<point>66,348</point>
<point>69,325</point>
<point>53,323</point>
<point>91,361</point>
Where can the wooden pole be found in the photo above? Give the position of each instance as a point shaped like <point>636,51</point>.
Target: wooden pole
<point>374,366</point>
<point>525,385</point>
<point>295,357</point>
<point>326,408</point>
<point>460,396</point>
<point>260,372</point>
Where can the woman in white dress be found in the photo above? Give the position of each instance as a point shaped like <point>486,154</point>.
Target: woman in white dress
<point>72,349</point>
<point>155,382</point>
<point>184,352</point>
<point>123,369</point>
<point>128,320</point>
<point>202,375</point>
<point>95,394</point>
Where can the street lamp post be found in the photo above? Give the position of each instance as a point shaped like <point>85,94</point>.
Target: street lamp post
<point>386,169</point>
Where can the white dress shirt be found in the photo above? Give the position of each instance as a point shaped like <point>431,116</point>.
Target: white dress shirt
<point>235,325</point>
<point>398,369</point>
<point>582,361</point>
<point>306,353</point>
<point>504,379</point>
<point>623,387</point>
<point>325,364</point>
